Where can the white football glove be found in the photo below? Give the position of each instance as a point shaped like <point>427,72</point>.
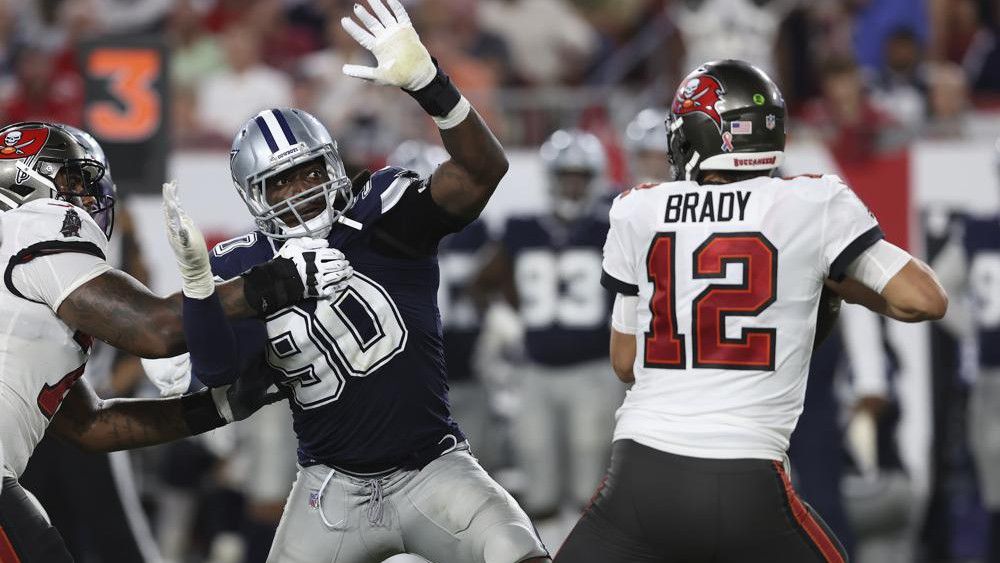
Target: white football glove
<point>172,376</point>
<point>324,271</point>
<point>188,245</point>
<point>403,60</point>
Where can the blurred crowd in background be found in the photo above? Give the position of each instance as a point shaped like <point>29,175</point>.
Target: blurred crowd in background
<point>862,78</point>
<point>861,73</point>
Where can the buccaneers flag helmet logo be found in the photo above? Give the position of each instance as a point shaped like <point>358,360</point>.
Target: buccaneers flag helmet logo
<point>21,143</point>
<point>700,94</point>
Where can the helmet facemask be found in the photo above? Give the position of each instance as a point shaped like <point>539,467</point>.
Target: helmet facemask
<point>679,153</point>
<point>573,192</point>
<point>81,182</point>
<point>575,163</point>
<point>335,193</point>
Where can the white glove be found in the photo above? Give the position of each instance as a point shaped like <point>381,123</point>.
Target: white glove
<point>402,59</point>
<point>172,376</point>
<point>324,271</point>
<point>188,245</point>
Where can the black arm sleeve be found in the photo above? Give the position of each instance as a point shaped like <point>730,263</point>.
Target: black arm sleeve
<point>415,224</point>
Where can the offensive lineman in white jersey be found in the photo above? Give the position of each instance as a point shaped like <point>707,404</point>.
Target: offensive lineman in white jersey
<point>59,292</point>
<point>718,278</point>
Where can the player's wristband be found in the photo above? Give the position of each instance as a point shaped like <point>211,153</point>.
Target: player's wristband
<point>272,286</point>
<point>199,412</point>
<point>439,96</point>
<point>455,116</point>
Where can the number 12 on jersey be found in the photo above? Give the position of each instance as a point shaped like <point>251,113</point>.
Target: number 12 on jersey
<point>754,349</point>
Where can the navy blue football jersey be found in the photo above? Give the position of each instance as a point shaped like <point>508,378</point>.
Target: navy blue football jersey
<point>366,369</point>
<point>557,273</point>
<point>981,240</point>
<point>459,260</point>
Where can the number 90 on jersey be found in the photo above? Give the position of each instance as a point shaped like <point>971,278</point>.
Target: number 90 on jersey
<point>351,335</point>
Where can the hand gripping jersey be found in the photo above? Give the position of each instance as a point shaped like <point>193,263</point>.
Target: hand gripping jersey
<point>49,248</point>
<point>458,259</point>
<point>366,369</point>
<point>981,243</point>
<point>557,273</point>
<point>728,279</point>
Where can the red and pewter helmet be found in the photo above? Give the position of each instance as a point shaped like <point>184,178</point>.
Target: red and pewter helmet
<point>48,160</point>
<point>726,115</point>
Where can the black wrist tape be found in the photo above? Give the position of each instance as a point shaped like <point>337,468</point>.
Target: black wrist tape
<point>439,97</point>
<point>272,286</point>
<point>199,412</point>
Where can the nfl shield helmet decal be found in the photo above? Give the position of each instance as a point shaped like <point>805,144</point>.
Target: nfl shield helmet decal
<point>769,121</point>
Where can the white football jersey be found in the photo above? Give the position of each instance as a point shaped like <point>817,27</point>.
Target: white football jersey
<point>728,279</point>
<point>49,248</point>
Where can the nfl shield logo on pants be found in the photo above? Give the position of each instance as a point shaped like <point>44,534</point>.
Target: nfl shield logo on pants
<point>314,499</point>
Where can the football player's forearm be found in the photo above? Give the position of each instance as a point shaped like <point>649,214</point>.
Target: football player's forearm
<point>463,185</point>
<point>211,341</point>
<point>912,295</point>
<point>233,298</point>
<point>115,308</point>
<point>100,426</point>
<point>623,350</point>
<point>854,292</point>
<point>474,147</point>
<point>915,295</point>
<point>122,424</point>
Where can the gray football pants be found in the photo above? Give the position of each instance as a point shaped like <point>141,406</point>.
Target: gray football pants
<point>562,432</point>
<point>450,511</point>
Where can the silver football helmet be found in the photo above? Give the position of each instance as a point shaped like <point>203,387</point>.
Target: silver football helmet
<point>647,132</point>
<point>420,156</point>
<point>575,163</point>
<point>276,140</point>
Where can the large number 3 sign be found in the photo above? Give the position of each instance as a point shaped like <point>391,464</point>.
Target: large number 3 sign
<point>135,111</point>
<point>127,108</point>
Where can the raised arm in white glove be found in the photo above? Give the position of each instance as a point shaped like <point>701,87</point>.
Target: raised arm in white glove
<point>188,245</point>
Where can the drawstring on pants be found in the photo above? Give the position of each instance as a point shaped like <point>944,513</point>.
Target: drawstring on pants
<point>376,508</point>
<point>319,505</point>
<point>376,502</point>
